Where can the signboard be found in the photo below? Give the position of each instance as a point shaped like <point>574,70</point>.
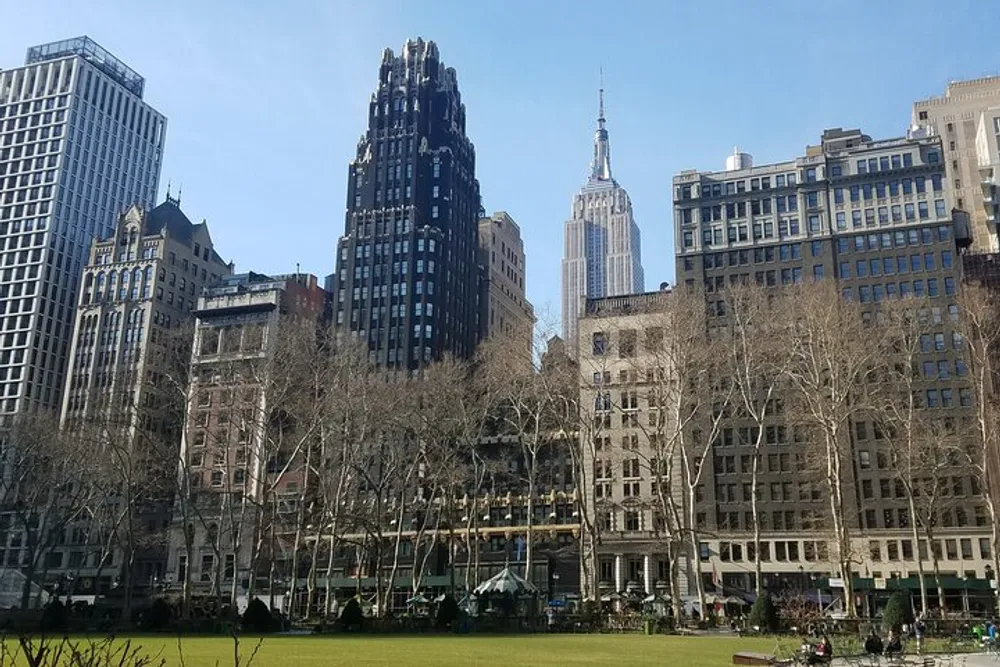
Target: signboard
<point>880,584</point>
<point>836,582</point>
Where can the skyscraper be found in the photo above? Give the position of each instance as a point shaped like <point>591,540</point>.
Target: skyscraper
<point>602,254</point>
<point>407,277</point>
<point>967,111</point>
<point>504,309</point>
<point>77,145</point>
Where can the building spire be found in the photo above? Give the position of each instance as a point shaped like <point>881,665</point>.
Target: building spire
<point>600,168</point>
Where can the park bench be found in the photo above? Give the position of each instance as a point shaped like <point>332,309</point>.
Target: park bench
<point>746,658</point>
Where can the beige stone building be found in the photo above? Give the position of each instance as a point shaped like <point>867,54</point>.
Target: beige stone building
<point>959,117</point>
<point>139,286</point>
<point>504,309</point>
<point>617,354</point>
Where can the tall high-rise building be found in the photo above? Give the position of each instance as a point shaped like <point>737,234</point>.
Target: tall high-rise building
<point>966,112</point>
<point>407,276</point>
<point>77,146</point>
<point>227,453</point>
<point>140,286</point>
<point>876,217</point>
<point>602,254</point>
<point>504,308</point>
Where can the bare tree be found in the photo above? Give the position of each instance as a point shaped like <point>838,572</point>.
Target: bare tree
<point>757,359</point>
<point>534,407</point>
<point>979,326</point>
<point>923,446</point>
<point>42,489</point>
<point>831,362</point>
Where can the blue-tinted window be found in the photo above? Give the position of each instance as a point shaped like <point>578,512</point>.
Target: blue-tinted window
<point>876,267</point>
<point>949,286</point>
<point>889,266</point>
<point>816,248</point>
<point>845,270</point>
<point>946,259</point>
<point>907,159</point>
<point>861,268</point>
<point>929,261</point>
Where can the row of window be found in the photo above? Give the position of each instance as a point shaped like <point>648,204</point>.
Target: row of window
<point>892,265</point>
<point>954,549</point>
<point>898,239</point>
<point>904,289</point>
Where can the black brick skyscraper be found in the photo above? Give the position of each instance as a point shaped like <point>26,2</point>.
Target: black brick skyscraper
<point>406,278</point>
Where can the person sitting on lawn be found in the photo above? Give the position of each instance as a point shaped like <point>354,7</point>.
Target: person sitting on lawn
<point>822,654</point>
<point>874,645</point>
<point>895,645</point>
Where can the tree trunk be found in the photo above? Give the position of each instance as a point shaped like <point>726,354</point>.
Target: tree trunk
<point>754,481</point>
<point>916,545</point>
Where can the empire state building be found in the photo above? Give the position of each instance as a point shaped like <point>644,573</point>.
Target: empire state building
<point>602,253</point>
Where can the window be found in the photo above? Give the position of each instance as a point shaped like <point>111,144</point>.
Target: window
<point>600,342</point>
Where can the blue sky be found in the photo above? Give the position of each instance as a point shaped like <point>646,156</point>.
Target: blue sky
<point>266,100</point>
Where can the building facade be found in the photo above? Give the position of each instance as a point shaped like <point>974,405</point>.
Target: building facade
<point>227,472</point>
<point>407,278</point>
<point>140,285</point>
<point>77,145</point>
<point>965,112</point>
<point>504,309</point>
<point>616,350</point>
<point>876,216</point>
<point>602,254</point>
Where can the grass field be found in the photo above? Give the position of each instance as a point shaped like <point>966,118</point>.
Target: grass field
<point>464,651</point>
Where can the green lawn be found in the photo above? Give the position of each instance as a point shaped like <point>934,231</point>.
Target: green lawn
<point>464,651</point>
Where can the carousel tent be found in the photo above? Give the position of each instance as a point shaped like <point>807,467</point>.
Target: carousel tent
<point>12,587</point>
<point>506,581</point>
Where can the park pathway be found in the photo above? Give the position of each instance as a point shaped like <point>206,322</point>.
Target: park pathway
<point>963,660</point>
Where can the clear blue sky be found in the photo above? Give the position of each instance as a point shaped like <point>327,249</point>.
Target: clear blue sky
<point>266,100</point>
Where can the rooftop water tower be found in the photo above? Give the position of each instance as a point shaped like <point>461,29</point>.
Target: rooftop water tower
<point>738,160</point>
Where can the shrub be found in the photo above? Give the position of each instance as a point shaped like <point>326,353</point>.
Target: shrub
<point>158,615</point>
<point>351,618</point>
<point>764,614</point>
<point>447,612</point>
<point>897,612</point>
<point>257,618</point>
<point>53,617</point>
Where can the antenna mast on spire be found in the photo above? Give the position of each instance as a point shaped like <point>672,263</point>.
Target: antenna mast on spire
<point>600,112</point>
